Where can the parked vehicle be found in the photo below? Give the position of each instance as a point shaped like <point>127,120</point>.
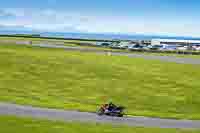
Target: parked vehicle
<point>145,47</point>
<point>124,45</point>
<point>169,47</point>
<point>135,47</point>
<point>182,48</point>
<point>196,47</point>
<point>104,44</point>
<point>115,45</point>
<point>155,47</point>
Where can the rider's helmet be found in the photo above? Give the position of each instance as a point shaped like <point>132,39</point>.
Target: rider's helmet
<point>110,103</point>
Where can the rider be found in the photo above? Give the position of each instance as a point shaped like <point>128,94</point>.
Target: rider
<point>111,106</point>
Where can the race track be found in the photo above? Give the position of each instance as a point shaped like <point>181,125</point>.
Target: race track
<point>168,58</point>
<point>62,115</point>
<point>68,116</point>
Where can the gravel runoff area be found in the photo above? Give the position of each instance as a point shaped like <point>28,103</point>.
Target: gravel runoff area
<point>69,116</point>
<point>181,60</point>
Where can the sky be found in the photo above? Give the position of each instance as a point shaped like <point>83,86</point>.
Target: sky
<point>154,17</point>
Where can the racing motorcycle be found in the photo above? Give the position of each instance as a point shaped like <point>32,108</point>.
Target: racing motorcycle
<point>117,111</point>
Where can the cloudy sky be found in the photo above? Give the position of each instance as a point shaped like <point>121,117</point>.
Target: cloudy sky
<point>166,17</point>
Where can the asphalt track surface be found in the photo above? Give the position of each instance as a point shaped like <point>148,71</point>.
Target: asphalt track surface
<point>70,116</point>
<point>180,60</point>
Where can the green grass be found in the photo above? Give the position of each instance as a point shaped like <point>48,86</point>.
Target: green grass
<point>72,43</point>
<point>41,39</point>
<point>57,78</point>
<point>10,124</point>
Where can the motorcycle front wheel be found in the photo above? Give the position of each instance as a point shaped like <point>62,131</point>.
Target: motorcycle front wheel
<point>100,112</point>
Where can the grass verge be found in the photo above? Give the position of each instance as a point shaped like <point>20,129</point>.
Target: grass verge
<point>42,39</point>
<point>11,124</point>
<point>55,78</point>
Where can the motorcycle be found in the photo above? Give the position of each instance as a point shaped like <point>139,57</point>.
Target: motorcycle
<point>118,111</point>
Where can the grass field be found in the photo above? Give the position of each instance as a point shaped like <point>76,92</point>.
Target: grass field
<point>71,43</point>
<point>57,78</point>
<point>41,39</point>
<point>26,125</point>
